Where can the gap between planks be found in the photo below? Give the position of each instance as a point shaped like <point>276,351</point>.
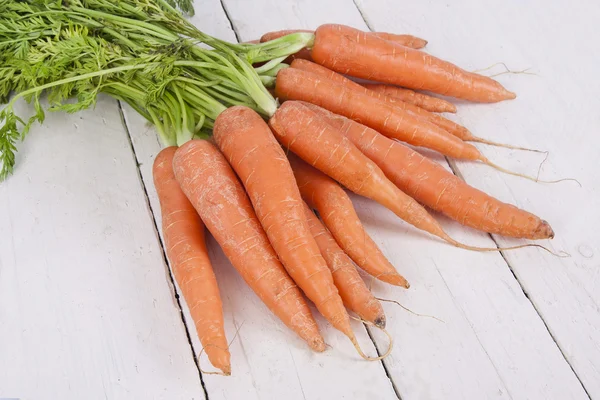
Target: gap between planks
<point>162,247</point>
<point>456,171</point>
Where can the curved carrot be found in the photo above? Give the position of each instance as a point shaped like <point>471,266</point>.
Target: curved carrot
<point>353,291</point>
<point>450,126</point>
<point>183,232</point>
<point>432,185</point>
<point>404,40</point>
<point>338,215</point>
<point>213,188</point>
<point>386,118</point>
<point>352,52</point>
<point>429,103</point>
<point>249,146</point>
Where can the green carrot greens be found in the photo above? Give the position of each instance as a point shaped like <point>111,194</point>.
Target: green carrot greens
<point>143,52</point>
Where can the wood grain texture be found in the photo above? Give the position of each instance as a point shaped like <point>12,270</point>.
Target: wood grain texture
<point>86,311</point>
<point>556,110</point>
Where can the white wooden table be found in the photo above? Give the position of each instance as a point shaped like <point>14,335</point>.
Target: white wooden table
<point>88,309</point>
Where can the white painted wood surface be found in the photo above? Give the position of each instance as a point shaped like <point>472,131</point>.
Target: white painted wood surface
<point>90,312</point>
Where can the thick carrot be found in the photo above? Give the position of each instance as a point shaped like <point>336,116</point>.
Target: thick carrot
<point>183,232</point>
<point>353,291</point>
<point>352,52</point>
<point>452,127</point>
<point>424,101</point>
<point>432,185</point>
<point>213,188</point>
<point>404,40</point>
<point>338,214</point>
<point>386,118</point>
<point>321,145</point>
<point>251,149</point>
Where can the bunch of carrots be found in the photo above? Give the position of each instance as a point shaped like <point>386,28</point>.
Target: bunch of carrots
<point>257,175</point>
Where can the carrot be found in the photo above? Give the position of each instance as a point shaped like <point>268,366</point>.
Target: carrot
<point>404,40</point>
<point>452,127</point>
<point>429,103</point>
<point>324,147</point>
<point>432,185</point>
<point>314,140</point>
<point>183,232</point>
<point>249,146</point>
<point>213,188</point>
<point>391,121</point>
<point>353,291</point>
<point>338,215</point>
<point>352,52</point>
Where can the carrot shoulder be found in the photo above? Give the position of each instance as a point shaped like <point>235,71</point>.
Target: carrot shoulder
<point>355,294</point>
<point>249,146</point>
<point>352,52</point>
<point>213,188</point>
<point>338,214</point>
<point>432,185</point>
<point>183,232</point>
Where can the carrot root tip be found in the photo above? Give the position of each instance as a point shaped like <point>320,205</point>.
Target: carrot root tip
<point>380,322</point>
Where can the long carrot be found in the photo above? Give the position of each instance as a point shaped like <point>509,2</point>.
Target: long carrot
<point>248,144</point>
<point>338,215</point>
<point>405,40</point>
<point>452,127</point>
<point>183,232</point>
<point>314,140</point>
<point>392,121</point>
<point>432,185</point>
<point>429,103</point>
<point>353,291</point>
<point>352,52</point>
<point>213,188</point>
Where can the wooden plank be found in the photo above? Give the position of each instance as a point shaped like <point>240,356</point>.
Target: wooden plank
<point>85,303</point>
<point>556,110</point>
<point>268,360</point>
<point>492,344</point>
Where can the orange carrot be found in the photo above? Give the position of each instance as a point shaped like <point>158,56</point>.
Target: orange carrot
<point>309,136</point>
<point>338,215</point>
<point>386,118</point>
<point>429,103</point>
<point>213,188</point>
<point>452,127</point>
<point>352,52</point>
<point>432,185</point>
<point>183,232</point>
<point>249,146</point>
<point>404,40</point>
<point>353,291</point>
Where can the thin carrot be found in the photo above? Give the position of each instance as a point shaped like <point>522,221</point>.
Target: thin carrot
<point>183,232</point>
<point>392,121</point>
<point>452,127</point>
<point>353,290</point>
<point>352,52</point>
<point>404,40</point>
<point>213,188</point>
<point>429,103</point>
<point>338,214</point>
<point>249,146</point>
<point>432,185</point>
